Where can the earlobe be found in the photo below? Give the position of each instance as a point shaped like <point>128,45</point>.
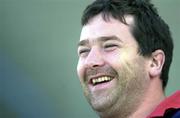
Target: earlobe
<point>156,63</point>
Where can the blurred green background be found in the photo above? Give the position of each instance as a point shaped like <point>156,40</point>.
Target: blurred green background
<point>38,57</point>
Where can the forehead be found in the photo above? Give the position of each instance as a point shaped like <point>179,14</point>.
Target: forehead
<point>98,27</point>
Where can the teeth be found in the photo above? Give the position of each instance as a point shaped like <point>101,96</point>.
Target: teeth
<point>93,81</point>
<point>101,79</point>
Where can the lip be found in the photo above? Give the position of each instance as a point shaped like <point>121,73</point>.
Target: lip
<point>101,86</point>
<point>97,76</point>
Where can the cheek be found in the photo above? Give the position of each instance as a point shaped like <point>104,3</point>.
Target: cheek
<point>117,59</point>
<point>112,59</point>
<point>80,70</point>
<point>134,69</point>
<point>81,67</point>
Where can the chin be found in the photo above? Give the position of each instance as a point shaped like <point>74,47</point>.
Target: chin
<point>101,104</point>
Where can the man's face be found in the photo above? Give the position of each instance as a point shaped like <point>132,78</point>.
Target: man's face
<point>111,71</point>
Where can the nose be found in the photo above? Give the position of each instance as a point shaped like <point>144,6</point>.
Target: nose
<point>94,58</point>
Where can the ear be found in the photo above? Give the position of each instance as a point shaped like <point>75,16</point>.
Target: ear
<point>156,63</point>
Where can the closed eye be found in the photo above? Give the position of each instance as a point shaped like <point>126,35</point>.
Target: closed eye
<point>110,45</point>
<point>83,51</point>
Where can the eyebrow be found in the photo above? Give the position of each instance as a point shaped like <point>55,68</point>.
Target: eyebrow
<point>107,38</point>
<point>83,42</point>
<point>100,39</point>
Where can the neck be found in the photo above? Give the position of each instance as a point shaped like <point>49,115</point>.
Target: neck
<point>153,97</point>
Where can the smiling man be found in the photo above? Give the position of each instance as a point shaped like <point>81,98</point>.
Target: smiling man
<point>125,51</point>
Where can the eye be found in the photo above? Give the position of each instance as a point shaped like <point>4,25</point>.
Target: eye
<point>109,47</point>
<point>83,51</point>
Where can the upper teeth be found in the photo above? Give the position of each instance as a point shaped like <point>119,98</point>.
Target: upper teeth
<point>101,79</point>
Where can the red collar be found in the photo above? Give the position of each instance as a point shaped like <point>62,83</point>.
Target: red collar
<point>172,101</point>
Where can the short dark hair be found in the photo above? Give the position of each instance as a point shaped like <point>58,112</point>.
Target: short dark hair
<point>149,30</point>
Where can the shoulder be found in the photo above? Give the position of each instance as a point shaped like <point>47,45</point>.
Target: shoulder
<point>169,108</point>
<point>172,113</point>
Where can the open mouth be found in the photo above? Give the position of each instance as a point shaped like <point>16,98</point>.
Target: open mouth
<point>100,80</point>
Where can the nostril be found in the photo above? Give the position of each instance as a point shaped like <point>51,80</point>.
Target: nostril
<point>95,65</point>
